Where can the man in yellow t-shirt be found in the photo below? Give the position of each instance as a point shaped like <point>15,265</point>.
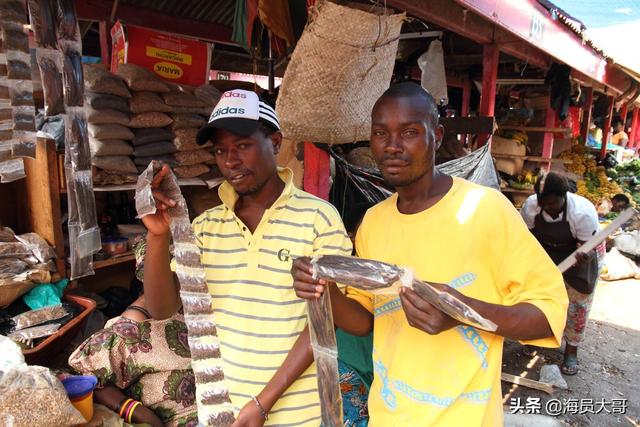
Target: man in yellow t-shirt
<point>429,368</point>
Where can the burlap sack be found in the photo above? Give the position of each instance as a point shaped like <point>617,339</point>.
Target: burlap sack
<point>336,74</point>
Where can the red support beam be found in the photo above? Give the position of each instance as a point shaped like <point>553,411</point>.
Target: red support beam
<point>607,128</point>
<point>490,56</point>
<point>316,171</point>
<point>586,116</point>
<point>634,128</point>
<point>623,115</point>
<point>100,10</point>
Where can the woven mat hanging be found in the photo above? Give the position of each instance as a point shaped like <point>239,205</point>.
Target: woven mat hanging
<point>341,65</point>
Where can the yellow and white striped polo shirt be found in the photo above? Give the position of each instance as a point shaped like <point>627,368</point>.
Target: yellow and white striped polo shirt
<point>258,313</point>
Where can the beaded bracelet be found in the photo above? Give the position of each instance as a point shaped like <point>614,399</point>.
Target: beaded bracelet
<point>264,413</point>
<point>123,405</point>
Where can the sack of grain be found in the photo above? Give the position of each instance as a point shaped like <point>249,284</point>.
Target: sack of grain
<point>147,102</point>
<point>191,171</point>
<point>208,94</point>
<point>102,117</point>
<point>100,80</point>
<point>114,164</point>
<point>147,136</point>
<point>101,177</point>
<point>164,158</point>
<point>180,98</point>
<point>185,140</point>
<point>150,120</point>
<point>101,101</point>
<point>110,131</point>
<point>188,158</point>
<point>183,121</point>
<point>141,79</point>
<point>321,96</point>
<point>110,147</point>
<point>205,111</point>
<point>154,149</point>
<point>508,146</point>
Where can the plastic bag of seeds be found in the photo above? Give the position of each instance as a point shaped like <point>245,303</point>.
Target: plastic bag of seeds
<point>150,120</point>
<point>141,79</point>
<point>50,65</point>
<point>42,22</point>
<point>72,76</point>
<point>106,117</point>
<point>100,80</point>
<point>33,397</point>
<point>147,102</point>
<point>100,101</point>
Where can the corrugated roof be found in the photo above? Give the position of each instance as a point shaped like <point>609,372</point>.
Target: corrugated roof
<point>214,11</point>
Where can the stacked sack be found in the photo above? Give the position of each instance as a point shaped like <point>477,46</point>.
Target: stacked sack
<point>190,109</point>
<point>107,110</point>
<point>149,120</point>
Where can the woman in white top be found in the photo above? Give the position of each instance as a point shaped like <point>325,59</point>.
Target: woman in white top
<point>562,222</point>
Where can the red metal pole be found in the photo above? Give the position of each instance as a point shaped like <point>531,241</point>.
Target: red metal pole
<point>105,43</point>
<point>586,117</point>
<point>607,128</point>
<point>316,171</point>
<point>490,57</point>
<point>634,128</point>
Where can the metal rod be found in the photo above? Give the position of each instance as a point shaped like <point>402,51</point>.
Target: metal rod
<point>420,35</point>
<point>114,8</point>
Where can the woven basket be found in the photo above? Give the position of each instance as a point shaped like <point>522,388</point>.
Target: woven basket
<point>341,65</point>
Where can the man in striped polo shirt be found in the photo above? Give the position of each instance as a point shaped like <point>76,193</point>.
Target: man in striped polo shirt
<point>247,245</point>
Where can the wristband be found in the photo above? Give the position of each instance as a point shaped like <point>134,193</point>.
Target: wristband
<point>264,413</point>
<point>123,407</point>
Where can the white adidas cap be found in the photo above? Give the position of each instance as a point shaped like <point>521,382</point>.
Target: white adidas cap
<point>240,112</point>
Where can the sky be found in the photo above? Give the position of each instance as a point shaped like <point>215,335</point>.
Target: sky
<point>613,25</point>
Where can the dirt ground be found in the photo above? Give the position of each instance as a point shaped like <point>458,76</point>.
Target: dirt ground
<point>609,361</point>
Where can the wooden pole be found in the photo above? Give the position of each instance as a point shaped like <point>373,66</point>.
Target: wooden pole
<point>623,115</point>
<point>105,43</point>
<point>586,117</point>
<point>607,128</point>
<point>466,98</point>
<point>490,57</point>
<point>547,142</point>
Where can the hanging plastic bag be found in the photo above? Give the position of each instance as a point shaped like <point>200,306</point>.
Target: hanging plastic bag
<point>11,170</point>
<point>73,80</point>
<point>42,23</point>
<point>50,65</point>
<point>434,78</point>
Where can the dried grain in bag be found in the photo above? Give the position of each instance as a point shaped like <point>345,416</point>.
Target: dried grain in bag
<point>13,11</point>
<point>150,120</point>
<point>187,158</point>
<point>101,101</point>
<point>147,102</point>
<point>110,131</point>
<point>187,120</point>
<point>147,136</point>
<point>110,147</point>
<point>191,171</point>
<point>67,20</point>
<point>115,164</point>
<point>100,80</point>
<point>154,149</point>
<point>42,22</point>
<point>141,79</point>
<point>106,117</point>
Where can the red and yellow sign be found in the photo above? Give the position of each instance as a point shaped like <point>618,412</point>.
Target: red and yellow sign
<point>173,58</point>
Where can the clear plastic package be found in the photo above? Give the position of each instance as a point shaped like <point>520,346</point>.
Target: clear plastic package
<point>13,11</point>
<point>50,66</point>
<point>11,170</point>
<point>24,119</point>
<point>42,23</point>
<point>34,397</point>
<point>18,65</point>
<point>14,37</point>
<point>37,317</point>
<point>73,80</point>
<point>34,332</point>
<point>373,275</point>
<point>37,245</point>
<point>80,266</point>
<point>67,20</point>
<point>86,202</point>
<point>20,93</point>
<point>77,139</point>
<point>25,145</point>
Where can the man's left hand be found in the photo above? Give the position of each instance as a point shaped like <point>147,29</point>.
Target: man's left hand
<point>424,316</point>
<point>582,258</point>
<point>249,416</point>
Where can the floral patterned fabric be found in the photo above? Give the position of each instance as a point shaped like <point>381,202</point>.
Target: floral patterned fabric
<point>577,316</point>
<point>149,361</point>
<point>354,397</point>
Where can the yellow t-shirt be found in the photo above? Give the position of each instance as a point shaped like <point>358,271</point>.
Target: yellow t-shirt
<point>258,315</point>
<point>619,138</point>
<point>474,240</point>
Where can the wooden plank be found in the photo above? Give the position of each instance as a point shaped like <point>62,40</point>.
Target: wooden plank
<point>468,125</point>
<point>490,58</point>
<point>607,127</point>
<point>547,140</point>
<point>536,129</point>
<point>526,382</point>
<point>532,158</point>
<point>129,256</point>
<point>43,199</point>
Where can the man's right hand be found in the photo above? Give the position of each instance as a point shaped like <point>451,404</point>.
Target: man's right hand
<point>303,282</point>
<point>158,223</point>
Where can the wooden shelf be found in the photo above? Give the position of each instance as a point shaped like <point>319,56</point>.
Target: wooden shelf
<point>516,191</point>
<point>129,256</point>
<point>187,182</point>
<point>535,129</point>
<point>532,158</point>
